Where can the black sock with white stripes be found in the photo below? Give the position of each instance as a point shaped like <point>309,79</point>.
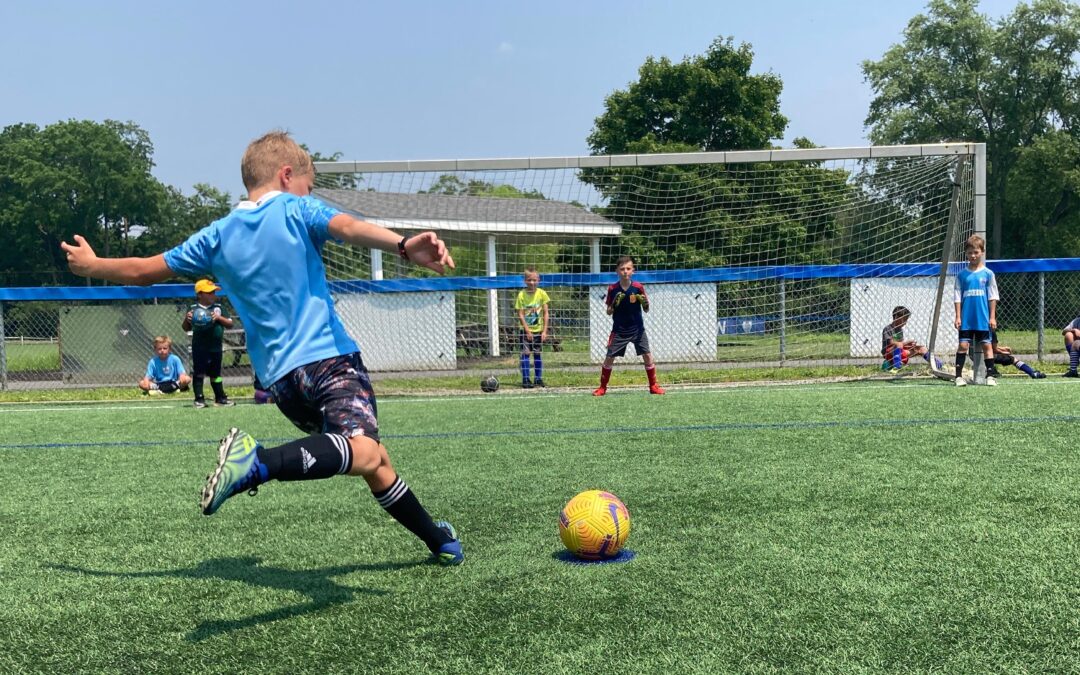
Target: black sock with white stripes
<point>400,502</point>
<point>317,456</point>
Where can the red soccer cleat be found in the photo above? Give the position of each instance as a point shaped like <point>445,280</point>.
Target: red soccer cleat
<point>600,391</point>
<point>656,389</point>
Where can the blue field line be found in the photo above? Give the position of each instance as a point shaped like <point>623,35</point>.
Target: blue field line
<point>728,426</point>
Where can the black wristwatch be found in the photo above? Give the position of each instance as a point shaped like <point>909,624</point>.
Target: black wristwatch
<point>401,249</point>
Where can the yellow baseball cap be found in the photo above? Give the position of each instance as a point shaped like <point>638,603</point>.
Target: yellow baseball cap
<point>206,286</point>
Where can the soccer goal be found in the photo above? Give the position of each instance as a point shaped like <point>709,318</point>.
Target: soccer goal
<point>751,259</point>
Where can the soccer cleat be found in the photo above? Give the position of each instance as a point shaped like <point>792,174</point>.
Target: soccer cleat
<point>599,391</point>
<point>238,470</point>
<point>961,382</point>
<point>894,371</point>
<point>526,384</point>
<point>656,389</point>
<point>539,383</point>
<point>154,392</point>
<point>449,553</point>
<point>224,403</point>
<point>1071,373</point>
<point>991,381</point>
<point>1039,375</point>
<point>199,403</point>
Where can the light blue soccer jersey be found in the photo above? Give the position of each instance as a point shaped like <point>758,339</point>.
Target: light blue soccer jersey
<point>266,256</point>
<point>974,291</point>
<point>168,370</point>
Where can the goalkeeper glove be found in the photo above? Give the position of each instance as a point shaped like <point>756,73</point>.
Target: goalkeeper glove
<point>644,300</point>
<point>618,298</point>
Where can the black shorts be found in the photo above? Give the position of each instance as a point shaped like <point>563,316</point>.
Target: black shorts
<point>980,336</point>
<point>531,342</point>
<point>205,363</point>
<point>617,342</point>
<point>329,396</point>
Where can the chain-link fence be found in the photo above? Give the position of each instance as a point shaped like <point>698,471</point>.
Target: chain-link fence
<point>47,344</point>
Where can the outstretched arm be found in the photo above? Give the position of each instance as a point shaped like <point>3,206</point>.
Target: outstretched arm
<point>425,249</point>
<point>137,271</point>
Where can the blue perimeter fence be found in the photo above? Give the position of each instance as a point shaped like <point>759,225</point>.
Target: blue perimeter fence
<point>506,282</point>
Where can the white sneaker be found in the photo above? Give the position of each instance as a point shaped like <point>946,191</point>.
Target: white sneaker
<point>154,392</point>
<point>991,382</point>
<point>961,382</point>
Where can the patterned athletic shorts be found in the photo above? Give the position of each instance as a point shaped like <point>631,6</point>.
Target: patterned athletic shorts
<point>329,396</point>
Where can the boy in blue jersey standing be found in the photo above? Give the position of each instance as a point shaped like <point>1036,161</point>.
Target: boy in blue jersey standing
<point>626,300</point>
<point>165,371</point>
<point>266,254</point>
<point>976,301</point>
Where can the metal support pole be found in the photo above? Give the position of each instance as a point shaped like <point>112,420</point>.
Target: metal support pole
<point>946,253</point>
<point>783,321</point>
<point>3,351</point>
<point>1042,315</point>
<point>376,264</point>
<point>594,255</point>
<point>493,299</point>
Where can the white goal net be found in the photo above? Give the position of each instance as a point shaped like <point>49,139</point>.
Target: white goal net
<point>752,259</point>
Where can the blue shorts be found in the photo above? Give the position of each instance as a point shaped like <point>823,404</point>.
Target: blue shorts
<point>329,396</point>
<point>981,336</point>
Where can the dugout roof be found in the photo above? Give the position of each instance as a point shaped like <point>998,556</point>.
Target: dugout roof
<point>474,218</point>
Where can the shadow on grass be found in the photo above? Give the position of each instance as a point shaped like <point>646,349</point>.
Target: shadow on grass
<point>317,584</point>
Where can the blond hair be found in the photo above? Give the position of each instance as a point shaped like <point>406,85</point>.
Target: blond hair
<point>975,241</point>
<point>162,340</point>
<point>266,155</point>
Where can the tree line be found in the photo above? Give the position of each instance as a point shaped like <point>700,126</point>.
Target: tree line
<point>957,75</point>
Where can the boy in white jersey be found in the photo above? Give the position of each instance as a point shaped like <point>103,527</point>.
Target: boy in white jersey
<point>266,254</point>
<point>976,301</point>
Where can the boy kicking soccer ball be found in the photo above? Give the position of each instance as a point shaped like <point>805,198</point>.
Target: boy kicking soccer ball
<point>267,253</point>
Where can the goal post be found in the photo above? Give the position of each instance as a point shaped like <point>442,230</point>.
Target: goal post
<point>760,258</point>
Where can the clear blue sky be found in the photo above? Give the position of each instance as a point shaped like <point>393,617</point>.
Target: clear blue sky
<point>410,79</point>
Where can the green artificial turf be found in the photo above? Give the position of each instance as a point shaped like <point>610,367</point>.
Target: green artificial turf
<point>906,526</point>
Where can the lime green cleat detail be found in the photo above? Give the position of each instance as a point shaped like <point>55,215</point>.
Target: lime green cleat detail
<point>238,470</point>
<point>449,553</point>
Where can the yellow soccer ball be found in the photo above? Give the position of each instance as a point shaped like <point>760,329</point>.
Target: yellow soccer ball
<point>594,525</point>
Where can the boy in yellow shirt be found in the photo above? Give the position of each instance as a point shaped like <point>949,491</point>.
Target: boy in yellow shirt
<point>532,309</point>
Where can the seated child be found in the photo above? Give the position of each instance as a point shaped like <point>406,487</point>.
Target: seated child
<point>895,349</point>
<point>165,372</point>
<point>1003,356</point>
<point>1072,346</point>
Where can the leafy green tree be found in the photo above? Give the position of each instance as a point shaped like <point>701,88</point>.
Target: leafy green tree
<point>1044,194</point>
<point>181,216</point>
<point>958,76</point>
<point>73,177</point>
<point>707,102</point>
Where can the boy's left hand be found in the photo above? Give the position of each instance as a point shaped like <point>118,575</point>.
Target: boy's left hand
<point>427,250</point>
<point>993,324</point>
